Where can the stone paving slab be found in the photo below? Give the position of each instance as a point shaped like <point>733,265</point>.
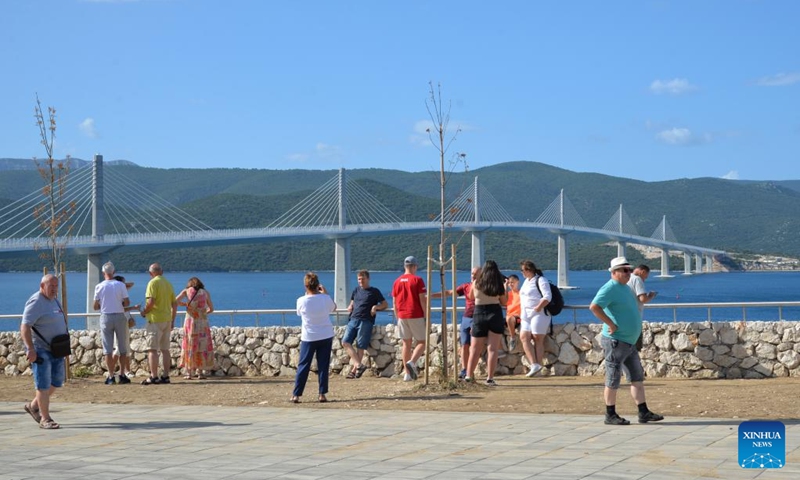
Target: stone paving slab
<point>243,443</point>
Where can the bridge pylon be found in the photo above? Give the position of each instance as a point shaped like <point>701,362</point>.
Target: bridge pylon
<point>341,281</point>
<point>94,261</point>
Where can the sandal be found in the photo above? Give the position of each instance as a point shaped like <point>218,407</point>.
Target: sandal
<point>351,375</point>
<point>37,416</point>
<point>322,399</point>
<point>164,379</point>
<point>360,370</point>
<point>187,377</point>
<point>49,424</point>
<point>151,381</point>
<point>295,399</point>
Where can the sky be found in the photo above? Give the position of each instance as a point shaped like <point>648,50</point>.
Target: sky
<point>650,90</point>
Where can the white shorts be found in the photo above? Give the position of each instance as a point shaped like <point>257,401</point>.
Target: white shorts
<point>537,323</point>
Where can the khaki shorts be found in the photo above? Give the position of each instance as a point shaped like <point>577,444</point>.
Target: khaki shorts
<point>157,335</point>
<point>411,328</point>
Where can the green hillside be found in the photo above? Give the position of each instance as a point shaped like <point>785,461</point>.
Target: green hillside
<point>754,217</point>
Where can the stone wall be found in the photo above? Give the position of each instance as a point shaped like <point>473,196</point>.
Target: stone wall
<point>677,350</point>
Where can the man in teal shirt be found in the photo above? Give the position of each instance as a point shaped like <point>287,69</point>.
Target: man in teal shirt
<point>616,306</point>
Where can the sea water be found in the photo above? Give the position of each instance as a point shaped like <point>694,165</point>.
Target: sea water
<point>279,290</point>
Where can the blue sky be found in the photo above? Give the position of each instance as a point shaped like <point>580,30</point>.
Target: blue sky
<point>652,90</point>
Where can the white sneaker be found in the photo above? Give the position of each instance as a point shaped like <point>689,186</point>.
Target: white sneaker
<point>407,378</point>
<point>535,368</point>
<point>412,369</point>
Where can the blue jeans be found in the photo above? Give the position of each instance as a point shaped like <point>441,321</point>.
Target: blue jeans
<point>465,330</point>
<point>360,330</point>
<point>617,355</point>
<point>49,373</point>
<point>322,349</point>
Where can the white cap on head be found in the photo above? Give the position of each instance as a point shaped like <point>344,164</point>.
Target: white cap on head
<point>619,262</point>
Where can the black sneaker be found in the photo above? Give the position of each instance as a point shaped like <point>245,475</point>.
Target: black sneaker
<point>616,420</point>
<point>123,379</point>
<point>650,417</point>
<point>164,380</point>
<point>490,382</point>
<point>110,380</point>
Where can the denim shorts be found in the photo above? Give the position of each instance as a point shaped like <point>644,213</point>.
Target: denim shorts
<point>49,373</point>
<point>617,355</point>
<point>464,330</point>
<point>360,330</point>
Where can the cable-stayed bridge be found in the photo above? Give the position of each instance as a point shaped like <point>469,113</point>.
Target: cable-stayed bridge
<point>134,218</point>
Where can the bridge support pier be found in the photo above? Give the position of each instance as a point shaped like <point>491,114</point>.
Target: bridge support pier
<point>563,262</point>
<point>477,250</point>
<point>665,264</point>
<point>709,263</point>
<point>341,279</point>
<point>621,248</point>
<point>94,276</point>
<point>698,263</point>
<point>687,263</point>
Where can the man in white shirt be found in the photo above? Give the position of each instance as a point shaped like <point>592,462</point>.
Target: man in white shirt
<point>111,298</point>
<point>636,283</point>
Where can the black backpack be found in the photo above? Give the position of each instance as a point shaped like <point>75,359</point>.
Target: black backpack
<point>556,303</point>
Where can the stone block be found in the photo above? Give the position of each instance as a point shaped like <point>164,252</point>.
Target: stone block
<point>663,341</point>
<point>748,363</point>
<point>682,343</point>
<point>733,373</point>
<point>770,337</point>
<point>707,337</point>
<point>766,350</point>
<point>568,355</point>
<point>704,353</point>
<point>790,358</point>
<point>562,370</point>
<point>740,351</point>
<point>728,335</point>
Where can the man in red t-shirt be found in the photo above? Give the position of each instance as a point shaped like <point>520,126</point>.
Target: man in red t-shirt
<point>409,299</point>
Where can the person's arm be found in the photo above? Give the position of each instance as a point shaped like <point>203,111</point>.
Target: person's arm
<point>148,305</point>
<point>598,312</point>
<point>125,303</point>
<point>646,297</point>
<point>174,312</point>
<point>96,305</point>
<point>503,300</point>
<point>350,307</point>
<point>423,300</point>
<point>180,297</point>
<point>209,303</point>
<point>27,339</point>
<point>379,308</point>
<point>394,309</point>
<point>545,293</point>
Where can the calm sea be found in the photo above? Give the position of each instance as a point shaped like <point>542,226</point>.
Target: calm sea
<point>278,290</point>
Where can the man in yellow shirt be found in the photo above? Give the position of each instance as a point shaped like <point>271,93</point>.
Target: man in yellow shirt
<point>160,310</point>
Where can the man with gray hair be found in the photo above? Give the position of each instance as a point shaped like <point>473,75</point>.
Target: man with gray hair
<point>111,298</point>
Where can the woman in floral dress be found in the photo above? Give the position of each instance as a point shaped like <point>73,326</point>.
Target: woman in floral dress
<point>197,347</point>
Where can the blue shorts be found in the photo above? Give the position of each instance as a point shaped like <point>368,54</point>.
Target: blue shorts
<point>360,330</point>
<point>465,330</point>
<point>49,373</point>
<point>617,355</point>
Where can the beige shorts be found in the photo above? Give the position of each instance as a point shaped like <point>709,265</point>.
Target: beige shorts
<point>157,335</point>
<point>411,328</point>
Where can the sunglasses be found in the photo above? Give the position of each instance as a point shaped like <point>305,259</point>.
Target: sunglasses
<point>625,270</point>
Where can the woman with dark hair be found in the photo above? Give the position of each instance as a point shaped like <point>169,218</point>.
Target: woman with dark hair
<point>197,348</point>
<point>534,296</point>
<point>489,293</point>
<point>316,337</point>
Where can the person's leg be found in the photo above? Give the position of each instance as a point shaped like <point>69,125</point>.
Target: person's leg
<point>349,337</point>
<point>637,392</point>
<point>152,362</point>
<point>614,352</point>
<point>610,396</point>
<point>527,346</point>
<point>511,324</point>
<point>406,354</point>
<point>303,368</point>
<point>323,352</point>
<point>538,348</point>
<point>493,346</point>
<point>477,345</point>
<point>419,349</point>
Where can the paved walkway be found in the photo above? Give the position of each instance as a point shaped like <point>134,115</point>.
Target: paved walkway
<point>158,442</point>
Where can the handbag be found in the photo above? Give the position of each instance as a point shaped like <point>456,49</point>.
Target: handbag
<point>59,345</point>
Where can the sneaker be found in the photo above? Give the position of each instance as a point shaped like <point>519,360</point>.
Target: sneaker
<point>110,380</point>
<point>124,379</point>
<point>535,368</point>
<point>463,374</point>
<point>650,417</point>
<point>412,370</point>
<point>130,375</point>
<point>164,379</point>
<point>490,382</point>
<point>512,344</point>
<point>407,378</point>
<point>616,420</point>
<point>469,380</point>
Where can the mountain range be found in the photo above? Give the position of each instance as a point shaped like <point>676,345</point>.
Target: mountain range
<point>744,217</point>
